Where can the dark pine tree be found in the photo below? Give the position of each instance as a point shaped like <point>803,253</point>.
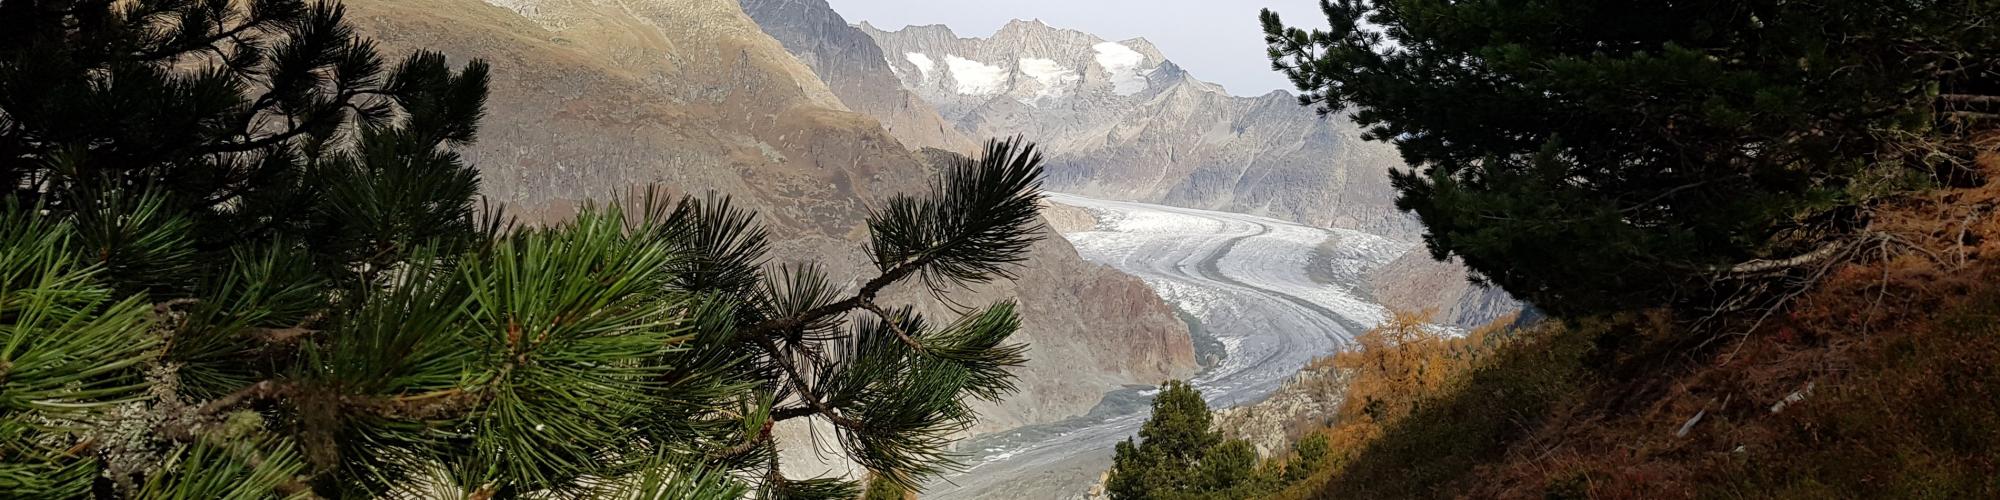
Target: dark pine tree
<point>1593,155</point>
<point>240,257</point>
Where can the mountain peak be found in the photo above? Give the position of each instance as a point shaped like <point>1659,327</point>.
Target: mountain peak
<point>1035,23</point>
<point>927,30</point>
<point>1035,29</point>
<point>1144,46</point>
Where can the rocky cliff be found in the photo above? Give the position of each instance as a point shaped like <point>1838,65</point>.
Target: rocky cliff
<point>1124,122</point>
<point>854,68</point>
<point>593,98</point>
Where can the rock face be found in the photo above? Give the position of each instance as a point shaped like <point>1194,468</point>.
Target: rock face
<point>853,67</point>
<point>1312,397</point>
<point>593,98</point>
<point>1415,282</point>
<point>1123,122</point>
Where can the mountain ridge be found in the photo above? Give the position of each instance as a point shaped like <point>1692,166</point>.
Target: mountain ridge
<point>1123,121</point>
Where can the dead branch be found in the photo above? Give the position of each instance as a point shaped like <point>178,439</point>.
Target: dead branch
<point>1972,116</point>
<point>1970,98</point>
<point>1762,266</point>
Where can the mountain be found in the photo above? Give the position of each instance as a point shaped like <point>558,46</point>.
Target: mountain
<point>854,68</point>
<point>594,98</point>
<point>1122,121</point>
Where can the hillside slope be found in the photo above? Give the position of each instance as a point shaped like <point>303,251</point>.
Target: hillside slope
<point>1877,381</point>
<point>593,98</point>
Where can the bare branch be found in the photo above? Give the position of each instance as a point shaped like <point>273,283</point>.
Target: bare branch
<point>1761,266</point>
<point>1971,99</point>
<point>1973,116</point>
<point>259,391</point>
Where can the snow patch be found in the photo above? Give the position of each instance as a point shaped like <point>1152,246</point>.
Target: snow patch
<point>1054,78</point>
<point>922,62</point>
<point>974,77</point>
<point>1122,64</point>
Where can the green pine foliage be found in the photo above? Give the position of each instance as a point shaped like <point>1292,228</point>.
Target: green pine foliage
<point>879,489</point>
<point>241,257</point>
<point>1602,155</point>
<point>1179,455</point>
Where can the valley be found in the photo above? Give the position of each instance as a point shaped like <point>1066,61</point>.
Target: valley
<point>1274,294</point>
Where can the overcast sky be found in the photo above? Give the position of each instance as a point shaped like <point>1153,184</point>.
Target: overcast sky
<point>1218,40</point>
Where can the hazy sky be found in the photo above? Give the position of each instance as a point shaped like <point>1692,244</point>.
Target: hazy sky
<point>1218,40</point>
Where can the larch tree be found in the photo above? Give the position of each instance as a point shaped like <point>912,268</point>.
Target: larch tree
<point>241,257</point>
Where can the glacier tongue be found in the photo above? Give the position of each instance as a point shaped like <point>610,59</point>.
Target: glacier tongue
<point>1249,282</point>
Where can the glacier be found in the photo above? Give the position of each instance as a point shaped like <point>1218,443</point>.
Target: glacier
<point>1273,294</point>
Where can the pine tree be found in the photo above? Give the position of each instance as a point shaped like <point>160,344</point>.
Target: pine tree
<point>242,258</point>
<point>1594,155</point>
<point>1180,455</point>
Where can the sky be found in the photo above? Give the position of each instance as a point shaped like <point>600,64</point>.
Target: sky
<point>1218,40</point>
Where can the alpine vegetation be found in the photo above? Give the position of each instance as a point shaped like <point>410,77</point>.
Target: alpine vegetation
<point>241,257</point>
<point>1713,156</point>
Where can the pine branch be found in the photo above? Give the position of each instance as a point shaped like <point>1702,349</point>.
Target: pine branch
<point>895,325</point>
<point>783,414</point>
<point>763,437</point>
<point>980,217</point>
<point>812,398</point>
<point>866,295</point>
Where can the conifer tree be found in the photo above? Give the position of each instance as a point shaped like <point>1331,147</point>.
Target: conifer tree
<point>1179,455</point>
<point>241,258</point>
<point>1593,155</point>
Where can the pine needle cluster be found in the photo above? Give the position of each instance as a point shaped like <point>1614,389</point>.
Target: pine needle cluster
<point>241,257</point>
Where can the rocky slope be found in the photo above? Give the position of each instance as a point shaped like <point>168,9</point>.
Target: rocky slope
<point>593,98</point>
<point>853,67</point>
<point>1309,399</point>
<point>1124,122</point>
<point>1415,282</point>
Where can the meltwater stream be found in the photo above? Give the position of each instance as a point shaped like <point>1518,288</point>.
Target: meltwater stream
<point>1273,293</point>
